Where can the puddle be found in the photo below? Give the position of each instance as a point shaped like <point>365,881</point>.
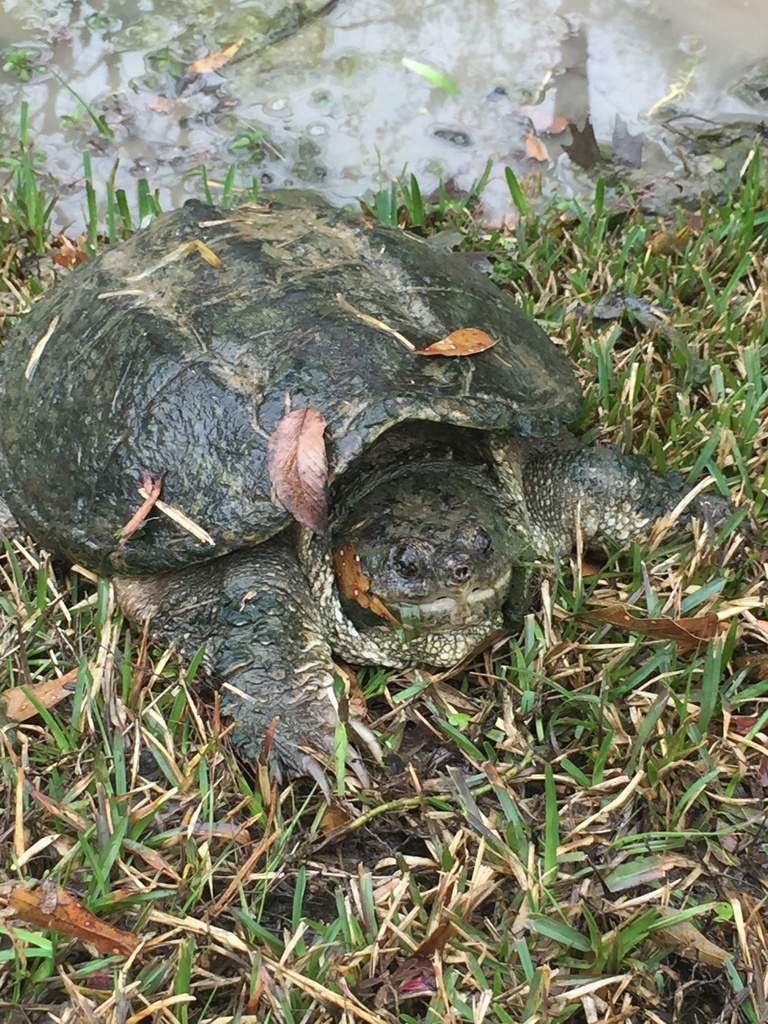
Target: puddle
<point>320,97</point>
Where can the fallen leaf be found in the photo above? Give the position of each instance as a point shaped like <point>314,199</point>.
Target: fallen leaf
<point>358,707</point>
<point>435,941</point>
<point>50,906</point>
<point>355,584</point>
<point>465,342</point>
<point>334,817</point>
<point>690,943</point>
<point>153,490</point>
<point>298,467</point>
<point>535,148</point>
<point>18,705</point>
<point>215,60</point>
<point>66,252</point>
<point>687,632</point>
<point>743,723</point>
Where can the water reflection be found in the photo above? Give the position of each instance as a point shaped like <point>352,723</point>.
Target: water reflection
<point>332,106</point>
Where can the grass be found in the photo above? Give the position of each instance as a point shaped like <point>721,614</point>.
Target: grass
<point>571,830</point>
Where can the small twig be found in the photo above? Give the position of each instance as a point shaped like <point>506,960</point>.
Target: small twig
<point>150,491</point>
<point>373,322</point>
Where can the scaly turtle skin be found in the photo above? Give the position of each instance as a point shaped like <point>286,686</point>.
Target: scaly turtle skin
<point>178,352</point>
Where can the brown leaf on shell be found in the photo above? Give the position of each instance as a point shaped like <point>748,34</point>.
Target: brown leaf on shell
<point>16,702</point>
<point>355,584</point>
<point>50,906</point>
<point>465,342</point>
<point>216,60</point>
<point>298,467</point>
<point>687,632</point>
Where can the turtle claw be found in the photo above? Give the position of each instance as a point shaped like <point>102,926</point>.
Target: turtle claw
<point>365,735</point>
<point>291,757</point>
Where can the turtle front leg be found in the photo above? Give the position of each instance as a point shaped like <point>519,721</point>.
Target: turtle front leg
<point>608,496</point>
<point>264,649</point>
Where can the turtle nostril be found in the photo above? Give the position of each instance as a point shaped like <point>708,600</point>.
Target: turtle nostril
<point>461,573</point>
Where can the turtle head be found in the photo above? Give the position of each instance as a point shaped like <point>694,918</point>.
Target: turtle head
<point>432,544</point>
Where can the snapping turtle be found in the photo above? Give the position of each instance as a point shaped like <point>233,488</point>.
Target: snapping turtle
<point>176,354</point>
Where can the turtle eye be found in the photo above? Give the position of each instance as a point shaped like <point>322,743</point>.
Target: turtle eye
<point>481,541</point>
<point>406,560</point>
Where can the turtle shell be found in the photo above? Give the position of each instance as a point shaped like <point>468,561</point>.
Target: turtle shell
<point>177,352</point>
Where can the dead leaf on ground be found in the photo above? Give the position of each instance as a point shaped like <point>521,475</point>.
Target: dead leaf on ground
<point>298,466</point>
<point>50,906</point>
<point>535,148</point>
<point>355,584</point>
<point>216,60</point>
<point>435,941</point>
<point>688,633</point>
<point>19,707</point>
<point>358,707</point>
<point>334,817</point>
<point>67,251</point>
<point>465,342</point>
<point>154,489</point>
<point>690,943</point>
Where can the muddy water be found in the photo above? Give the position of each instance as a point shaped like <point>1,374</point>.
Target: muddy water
<point>321,97</point>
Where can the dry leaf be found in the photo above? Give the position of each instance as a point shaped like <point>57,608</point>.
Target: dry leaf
<point>358,707</point>
<point>334,817</point>
<point>50,906</point>
<point>465,342</point>
<point>688,633</point>
<point>535,148</point>
<point>66,253</point>
<point>355,584</point>
<point>216,60</point>
<point>298,467</point>
<point>436,940</point>
<point>153,489</point>
<point>18,705</point>
<point>690,943</point>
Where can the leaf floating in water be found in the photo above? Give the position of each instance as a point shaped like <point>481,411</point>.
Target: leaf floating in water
<point>465,342</point>
<point>535,148</point>
<point>216,60</point>
<point>298,467</point>
<point>431,75</point>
